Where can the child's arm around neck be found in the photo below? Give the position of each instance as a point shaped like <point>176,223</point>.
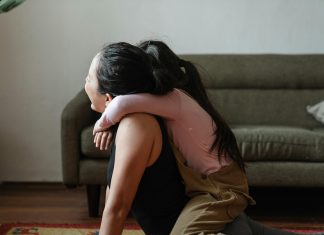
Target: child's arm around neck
<point>166,106</point>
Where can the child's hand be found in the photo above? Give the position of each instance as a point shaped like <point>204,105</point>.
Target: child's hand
<point>103,139</point>
<point>98,127</point>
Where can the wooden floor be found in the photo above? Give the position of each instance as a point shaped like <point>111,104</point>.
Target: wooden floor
<point>53,203</point>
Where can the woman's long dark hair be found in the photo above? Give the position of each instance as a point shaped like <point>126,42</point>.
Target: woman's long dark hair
<point>127,69</point>
<point>152,67</point>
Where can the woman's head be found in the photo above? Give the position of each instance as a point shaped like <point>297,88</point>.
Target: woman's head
<point>124,69</point>
<point>121,69</point>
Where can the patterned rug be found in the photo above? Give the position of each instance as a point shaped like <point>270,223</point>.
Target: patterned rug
<point>61,229</point>
<point>78,229</point>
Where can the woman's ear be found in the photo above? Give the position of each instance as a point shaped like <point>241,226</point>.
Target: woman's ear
<point>108,98</point>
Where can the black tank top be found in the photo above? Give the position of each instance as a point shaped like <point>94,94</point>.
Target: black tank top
<point>161,194</point>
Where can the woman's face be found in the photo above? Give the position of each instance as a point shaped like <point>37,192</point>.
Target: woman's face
<point>98,101</point>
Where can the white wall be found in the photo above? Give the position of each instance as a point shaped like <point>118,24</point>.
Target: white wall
<point>46,47</point>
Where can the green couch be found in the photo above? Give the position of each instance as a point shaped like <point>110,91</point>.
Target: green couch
<point>263,98</point>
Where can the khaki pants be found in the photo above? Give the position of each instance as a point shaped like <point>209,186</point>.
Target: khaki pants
<point>215,199</point>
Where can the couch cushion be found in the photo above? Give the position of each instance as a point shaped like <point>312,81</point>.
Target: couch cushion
<point>279,143</point>
<point>88,148</point>
<point>266,107</point>
<point>257,143</point>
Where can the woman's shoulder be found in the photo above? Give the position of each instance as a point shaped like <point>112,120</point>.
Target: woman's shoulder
<point>143,121</point>
<point>139,126</point>
<point>140,134</point>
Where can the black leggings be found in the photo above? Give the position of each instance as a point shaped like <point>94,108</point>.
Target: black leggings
<point>243,225</point>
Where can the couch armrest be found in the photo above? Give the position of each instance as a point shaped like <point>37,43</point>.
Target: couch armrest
<point>76,115</point>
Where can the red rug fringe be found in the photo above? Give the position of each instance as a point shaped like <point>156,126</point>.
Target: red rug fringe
<point>305,230</point>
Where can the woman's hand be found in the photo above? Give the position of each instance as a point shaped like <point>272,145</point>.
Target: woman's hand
<point>103,139</point>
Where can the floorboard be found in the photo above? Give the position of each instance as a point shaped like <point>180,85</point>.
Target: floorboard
<point>53,203</point>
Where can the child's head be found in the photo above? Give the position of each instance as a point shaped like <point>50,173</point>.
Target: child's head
<point>165,58</point>
<point>185,75</point>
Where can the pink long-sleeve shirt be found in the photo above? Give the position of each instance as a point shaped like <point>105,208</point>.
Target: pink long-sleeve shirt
<point>189,126</point>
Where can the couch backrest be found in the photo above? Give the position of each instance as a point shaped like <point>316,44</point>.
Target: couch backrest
<point>263,89</point>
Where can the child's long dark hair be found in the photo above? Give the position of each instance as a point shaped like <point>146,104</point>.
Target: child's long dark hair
<point>188,79</point>
<point>153,68</point>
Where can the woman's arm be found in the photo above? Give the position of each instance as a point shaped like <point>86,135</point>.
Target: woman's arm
<point>138,143</point>
<point>166,106</point>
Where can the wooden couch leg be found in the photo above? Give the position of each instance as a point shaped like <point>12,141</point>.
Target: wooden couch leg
<point>93,195</point>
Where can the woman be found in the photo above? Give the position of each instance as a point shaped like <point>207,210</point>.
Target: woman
<point>142,172</point>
